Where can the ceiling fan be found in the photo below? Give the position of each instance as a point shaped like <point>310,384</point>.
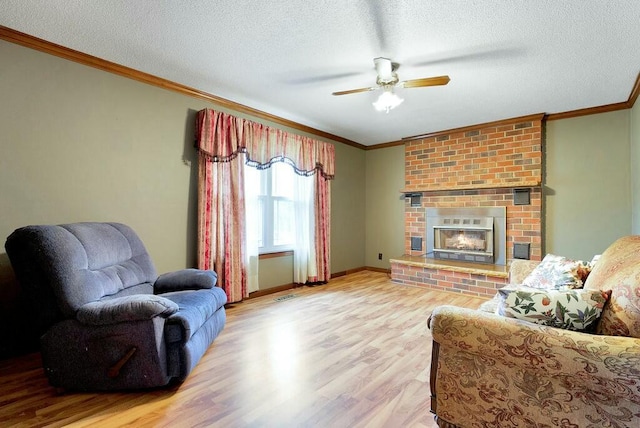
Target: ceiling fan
<point>388,79</point>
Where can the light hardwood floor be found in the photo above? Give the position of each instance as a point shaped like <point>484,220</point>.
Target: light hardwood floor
<point>352,353</point>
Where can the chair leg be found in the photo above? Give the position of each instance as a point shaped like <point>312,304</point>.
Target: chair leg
<point>435,351</point>
<point>114,371</point>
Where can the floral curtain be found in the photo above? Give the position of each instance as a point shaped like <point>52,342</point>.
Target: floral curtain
<point>221,138</point>
<point>322,229</point>
<point>221,231</point>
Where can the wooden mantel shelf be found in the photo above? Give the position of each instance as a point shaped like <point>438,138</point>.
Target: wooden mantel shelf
<point>474,187</point>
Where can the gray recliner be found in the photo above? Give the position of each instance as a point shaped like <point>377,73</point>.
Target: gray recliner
<point>106,320</point>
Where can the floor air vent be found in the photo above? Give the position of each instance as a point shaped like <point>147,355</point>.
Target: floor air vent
<point>285,297</point>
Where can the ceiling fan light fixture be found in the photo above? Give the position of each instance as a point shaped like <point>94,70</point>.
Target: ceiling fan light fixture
<point>387,80</point>
<point>387,100</point>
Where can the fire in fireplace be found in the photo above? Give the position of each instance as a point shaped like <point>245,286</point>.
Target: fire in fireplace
<point>463,240</point>
<point>466,234</point>
<point>468,239</point>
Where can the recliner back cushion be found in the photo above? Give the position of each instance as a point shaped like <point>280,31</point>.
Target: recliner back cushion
<point>85,262</point>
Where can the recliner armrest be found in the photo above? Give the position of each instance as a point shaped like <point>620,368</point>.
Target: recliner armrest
<point>185,279</point>
<point>138,307</point>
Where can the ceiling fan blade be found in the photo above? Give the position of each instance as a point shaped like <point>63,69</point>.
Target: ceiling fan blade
<point>320,78</point>
<point>477,53</point>
<point>380,15</point>
<point>355,91</point>
<point>427,81</point>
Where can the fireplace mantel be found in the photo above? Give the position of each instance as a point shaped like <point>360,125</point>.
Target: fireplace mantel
<point>449,187</point>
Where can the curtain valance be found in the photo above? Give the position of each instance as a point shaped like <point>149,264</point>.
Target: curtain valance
<point>221,137</point>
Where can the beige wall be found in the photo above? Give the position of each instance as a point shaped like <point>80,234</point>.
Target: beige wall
<point>587,184</point>
<point>79,144</point>
<point>384,206</point>
<point>275,271</point>
<point>348,209</point>
<point>635,169</point>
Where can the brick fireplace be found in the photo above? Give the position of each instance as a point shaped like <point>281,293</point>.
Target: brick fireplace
<point>472,167</point>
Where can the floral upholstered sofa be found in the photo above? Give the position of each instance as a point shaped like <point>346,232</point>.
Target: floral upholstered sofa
<point>490,370</point>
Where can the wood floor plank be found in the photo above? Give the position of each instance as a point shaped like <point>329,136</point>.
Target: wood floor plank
<point>352,353</point>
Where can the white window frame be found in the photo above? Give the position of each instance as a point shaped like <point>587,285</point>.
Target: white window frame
<point>268,221</point>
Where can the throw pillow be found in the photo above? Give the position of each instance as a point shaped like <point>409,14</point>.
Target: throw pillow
<point>569,309</point>
<point>492,305</point>
<point>559,273</point>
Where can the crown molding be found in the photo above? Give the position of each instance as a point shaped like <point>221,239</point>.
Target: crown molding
<point>587,111</point>
<point>634,92</point>
<point>385,145</point>
<point>32,42</point>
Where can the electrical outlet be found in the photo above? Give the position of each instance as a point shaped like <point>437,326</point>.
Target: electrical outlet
<point>379,256</point>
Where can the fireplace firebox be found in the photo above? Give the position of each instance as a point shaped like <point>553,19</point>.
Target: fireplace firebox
<point>467,234</point>
<point>469,239</point>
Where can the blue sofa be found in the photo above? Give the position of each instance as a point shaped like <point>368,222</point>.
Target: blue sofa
<point>107,321</point>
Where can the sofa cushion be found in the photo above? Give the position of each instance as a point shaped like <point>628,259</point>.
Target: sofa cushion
<point>557,272</point>
<point>569,309</point>
<point>196,307</point>
<point>618,270</point>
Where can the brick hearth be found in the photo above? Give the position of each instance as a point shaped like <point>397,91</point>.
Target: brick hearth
<point>472,167</point>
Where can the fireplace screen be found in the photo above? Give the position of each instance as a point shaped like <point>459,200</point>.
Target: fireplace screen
<point>465,239</point>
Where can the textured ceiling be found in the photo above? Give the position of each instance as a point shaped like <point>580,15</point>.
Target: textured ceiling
<point>285,57</point>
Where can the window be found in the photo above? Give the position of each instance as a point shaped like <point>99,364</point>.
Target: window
<point>272,216</point>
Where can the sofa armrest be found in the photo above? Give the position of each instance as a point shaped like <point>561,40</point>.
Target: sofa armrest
<point>492,368</point>
<point>185,279</point>
<point>515,342</point>
<point>138,307</point>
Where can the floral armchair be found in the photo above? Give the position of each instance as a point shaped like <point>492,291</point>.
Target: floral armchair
<point>492,371</point>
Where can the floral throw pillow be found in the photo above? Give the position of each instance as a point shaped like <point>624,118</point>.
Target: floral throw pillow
<point>569,309</point>
<point>559,273</point>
